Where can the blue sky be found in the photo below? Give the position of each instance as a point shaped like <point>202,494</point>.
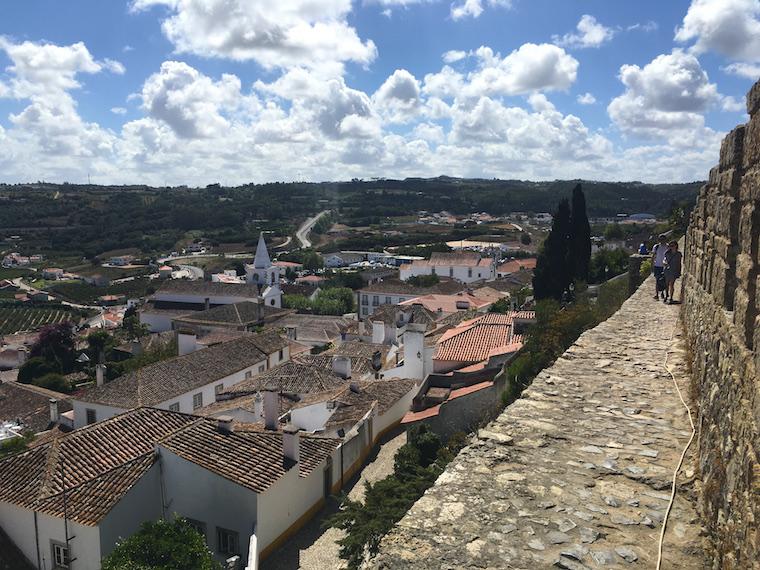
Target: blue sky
<point>197,91</point>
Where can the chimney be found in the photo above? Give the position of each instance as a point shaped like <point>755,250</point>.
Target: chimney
<point>186,342</point>
<point>100,373</point>
<point>21,355</point>
<point>378,332</point>
<point>224,424</point>
<point>271,406</point>
<point>342,366</point>
<point>291,442</point>
<point>54,416</point>
<point>292,332</point>
<point>414,351</point>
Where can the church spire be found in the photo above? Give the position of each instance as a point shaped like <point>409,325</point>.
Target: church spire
<point>261,260</point>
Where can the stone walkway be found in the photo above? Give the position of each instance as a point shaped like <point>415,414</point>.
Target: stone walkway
<point>576,474</point>
<point>314,548</point>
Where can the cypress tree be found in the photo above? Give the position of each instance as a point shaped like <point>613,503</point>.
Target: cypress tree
<point>580,246</point>
<point>553,274</point>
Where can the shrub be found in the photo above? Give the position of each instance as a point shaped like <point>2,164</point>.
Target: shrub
<point>54,382</point>
<point>424,280</point>
<point>36,367</point>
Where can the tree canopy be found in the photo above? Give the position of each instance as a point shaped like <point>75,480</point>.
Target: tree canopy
<point>162,545</point>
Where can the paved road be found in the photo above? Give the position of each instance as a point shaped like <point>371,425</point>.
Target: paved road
<point>314,548</point>
<point>302,235</point>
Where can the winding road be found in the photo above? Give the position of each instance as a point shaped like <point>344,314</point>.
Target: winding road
<point>302,235</point>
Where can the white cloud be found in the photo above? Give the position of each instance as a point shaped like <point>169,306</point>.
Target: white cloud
<point>649,26</point>
<point>118,110</point>
<point>591,33</point>
<point>586,99</point>
<point>529,68</point>
<point>398,98</point>
<point>729,27</point>
<point>732,105</point>
<point>666,96</point>
<point>190,103</point>
<point>474,8</point>
<point>454,55</point>
<point>114,66</point>
<point>274,34</point>
<point>748,70</point>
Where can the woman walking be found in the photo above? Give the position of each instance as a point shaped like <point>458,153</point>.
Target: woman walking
<point>672,270</point>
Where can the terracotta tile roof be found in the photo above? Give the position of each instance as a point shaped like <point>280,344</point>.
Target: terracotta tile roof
<point>449,303</point>
<point>162,381</point>
<point>31,405</point>
<point>245,313</point>
<point>355,401</point>
<point>183,287</point>
<point>479,338</point>
<point>253,459</point>
<point>318,329</point>
<point>516,265</point>
<point>359,349</point>
<point>292,376</point>
<point>360,366</point>
<point>96,464</point>
<point>398,287</point>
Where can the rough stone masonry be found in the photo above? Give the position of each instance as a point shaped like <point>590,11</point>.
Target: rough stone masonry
<point>575,474</point>
<point>722,273</point>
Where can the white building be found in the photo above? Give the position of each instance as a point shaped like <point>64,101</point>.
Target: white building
<point>396,291</point>
<point>265,275</point>
<point>75,497</point>
<point>185,383</point>
<point>464,266</point>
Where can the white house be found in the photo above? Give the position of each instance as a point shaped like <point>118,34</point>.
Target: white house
<point>185,383</point>
<point>73,498</point>
<point>396,291</point>
<point>464,266</point>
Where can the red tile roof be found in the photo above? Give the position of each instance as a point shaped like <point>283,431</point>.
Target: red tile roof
<point>480,338</point>
<point>516,265</point>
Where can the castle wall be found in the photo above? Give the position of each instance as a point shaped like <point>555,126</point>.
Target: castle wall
<point>721,314</point>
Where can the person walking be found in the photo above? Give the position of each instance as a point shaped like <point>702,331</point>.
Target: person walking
<point>672,270</point>
<point>658,265</point>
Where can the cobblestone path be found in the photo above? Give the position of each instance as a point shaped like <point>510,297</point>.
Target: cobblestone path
<point>577,473</point>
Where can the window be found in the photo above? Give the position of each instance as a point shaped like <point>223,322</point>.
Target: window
<point>365,311</point>
<point>197,400</point>
<point>227,541</point>
<point>365,300</point>
<point>282,354</point>
<point>262,367</point>
<point>376,300</point>
<point>92,417</point>
<point>174,407</point>
<point>387,300</point>
<point>271,302</point>
<point>218,389</point>
<point>248,374</point>
<point>61,557</point>
<point>199,526</point>
<point>432,269</point>
<point>451,272</point>
<point>469,272</point>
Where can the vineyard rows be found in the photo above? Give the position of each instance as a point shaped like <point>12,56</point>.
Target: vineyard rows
<point>13,320</point>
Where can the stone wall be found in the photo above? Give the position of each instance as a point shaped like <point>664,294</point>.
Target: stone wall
<point>721,315</point>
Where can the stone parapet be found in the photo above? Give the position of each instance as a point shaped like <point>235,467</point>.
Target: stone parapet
<point>721,313</point>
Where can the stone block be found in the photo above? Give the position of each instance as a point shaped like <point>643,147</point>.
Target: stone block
<point>744,316</point>
<point>722,246</point>
<point>729,182</point>
<point>731,149</point>
<point>750,186</point>
<point>749,229</point>
<point>712,179</point>
<point>726,214</point>
<point>719,282</point>
<point>751,143</point>
<point>746,270</point>
<point>753,98</point>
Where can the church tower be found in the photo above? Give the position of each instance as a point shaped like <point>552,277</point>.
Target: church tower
<point>265,275</point>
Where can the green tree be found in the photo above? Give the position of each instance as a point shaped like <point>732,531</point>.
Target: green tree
<point>162,545</point>
<point>613,231</point>
<point>502,306</point>
<point>553,274</point>
<point>36,367</point>
<point>99,343</point>
<point>56,344</point>
<point>525,239</point>
<point>424,280</point>
<point>54,382</point>
<point>580,240</point>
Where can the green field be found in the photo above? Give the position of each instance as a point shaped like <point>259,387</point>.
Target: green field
<point>17,319</point>
<point>85,294</point>
<point>13,273</point>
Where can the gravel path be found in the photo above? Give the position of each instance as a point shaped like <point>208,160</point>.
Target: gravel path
<point>316,549</point>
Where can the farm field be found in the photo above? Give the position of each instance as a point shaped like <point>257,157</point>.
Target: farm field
<point>85,294</point>
<point>17,319</point>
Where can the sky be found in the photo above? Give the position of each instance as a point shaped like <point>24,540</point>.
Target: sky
<point>171,92</point>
